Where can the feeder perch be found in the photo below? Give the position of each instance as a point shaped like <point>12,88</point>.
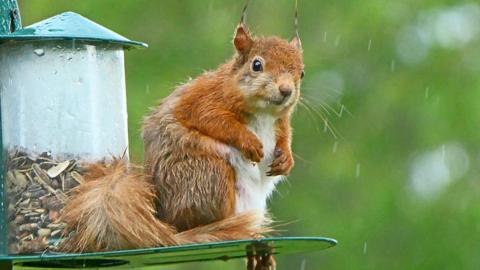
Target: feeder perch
<point>63,103</point>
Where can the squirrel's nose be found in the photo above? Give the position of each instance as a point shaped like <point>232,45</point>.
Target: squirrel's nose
<point>285,90</point>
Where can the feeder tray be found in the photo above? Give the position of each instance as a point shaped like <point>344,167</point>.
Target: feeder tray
<point>223,251</point>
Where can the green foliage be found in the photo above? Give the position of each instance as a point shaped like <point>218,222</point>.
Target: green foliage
<point>399,83</point>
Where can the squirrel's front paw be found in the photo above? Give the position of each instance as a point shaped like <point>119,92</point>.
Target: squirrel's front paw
<point>282,164</point>
<point>252,149</point>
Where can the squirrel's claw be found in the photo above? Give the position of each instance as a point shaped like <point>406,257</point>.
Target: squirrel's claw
<point>252,149</point>
<point>256,155</point>
<point>282,164</point>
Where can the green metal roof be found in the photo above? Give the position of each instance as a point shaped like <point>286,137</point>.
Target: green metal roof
<point>70,26</point>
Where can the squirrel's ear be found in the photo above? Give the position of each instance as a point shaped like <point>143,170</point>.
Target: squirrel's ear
<point>297,43</point>
<point>242,40</point>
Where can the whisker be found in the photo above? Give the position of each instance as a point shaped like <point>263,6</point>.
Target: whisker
<point>311,110</point>
<point>343,108</point>
<point>346,110</point>
<point>321,106</point>
<point>302,159</point>
<point>336,90</point>
<point>325,119</point>
<point>330,95</point>
<point>331,108</point>
<point>311,115</point>
<point>329,128</point>
<point>339,113</point>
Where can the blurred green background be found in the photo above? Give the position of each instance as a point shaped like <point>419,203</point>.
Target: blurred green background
<point>387,142</point>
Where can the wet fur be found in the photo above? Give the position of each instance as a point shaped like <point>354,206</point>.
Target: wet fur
<point>218,134</point>
<point>114,209</point>
<point>214,150</point>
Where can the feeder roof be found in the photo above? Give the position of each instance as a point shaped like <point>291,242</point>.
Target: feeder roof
<point>70,26</point>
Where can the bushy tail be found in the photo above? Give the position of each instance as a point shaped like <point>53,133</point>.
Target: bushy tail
<point>247,225</point>
<point>114,209</point>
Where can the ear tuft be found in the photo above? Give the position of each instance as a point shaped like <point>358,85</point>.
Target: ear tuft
<point>297,43</point>
<point>242,40</point>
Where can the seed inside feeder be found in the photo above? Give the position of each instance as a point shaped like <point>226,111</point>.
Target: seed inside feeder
<point>37,189</point>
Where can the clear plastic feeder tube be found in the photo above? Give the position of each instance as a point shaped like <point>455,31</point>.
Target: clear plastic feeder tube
<point>63,105</point>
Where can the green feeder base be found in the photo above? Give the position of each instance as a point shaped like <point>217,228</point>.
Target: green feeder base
<point>127,259</point>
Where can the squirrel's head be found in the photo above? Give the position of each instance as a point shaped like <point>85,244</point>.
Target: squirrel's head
<point>268,71</point>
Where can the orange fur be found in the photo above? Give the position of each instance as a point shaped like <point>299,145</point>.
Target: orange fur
<point>190,138</point>
<point>113,211</point>
<point>283,162</point>
<point>214,108</point>
<point>116,211</point>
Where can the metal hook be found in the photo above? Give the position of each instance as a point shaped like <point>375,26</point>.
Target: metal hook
<point>296,20</point>
<point>244,12</point>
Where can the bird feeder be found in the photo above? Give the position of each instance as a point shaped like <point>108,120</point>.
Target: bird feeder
<point>63,104</point>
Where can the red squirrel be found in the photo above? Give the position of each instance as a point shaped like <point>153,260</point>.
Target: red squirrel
<point>214,150</point>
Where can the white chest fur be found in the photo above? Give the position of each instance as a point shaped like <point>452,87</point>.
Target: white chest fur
<point>253,185</point>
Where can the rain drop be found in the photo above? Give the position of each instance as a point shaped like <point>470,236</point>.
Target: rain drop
<point>369,45</point>
<point>426,92</point>
<point>39,52</point>
<point>337,40</point>
<point>335,145</point>
<point>365,247</point>
<point>303,265</point>
<point>443,152</point>
<point>392,66</point>
<point>357,170</point>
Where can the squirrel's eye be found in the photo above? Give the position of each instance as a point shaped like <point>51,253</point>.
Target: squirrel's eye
<point>302,75</point>
<point>257,65</point>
